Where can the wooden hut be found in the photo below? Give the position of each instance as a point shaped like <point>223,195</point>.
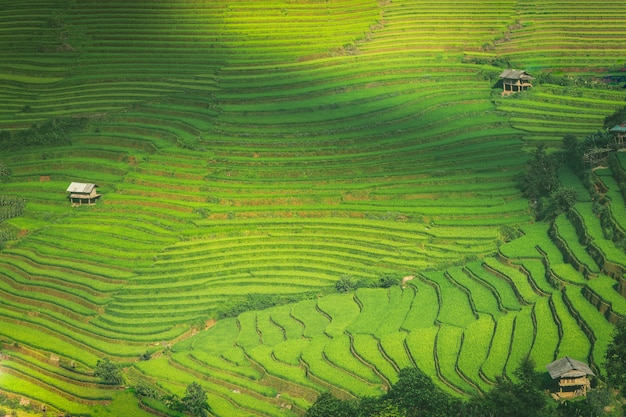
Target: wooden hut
<point>514,81</point>
<point>619,133</point>
<point>82,193</point>
<point>572,375</point>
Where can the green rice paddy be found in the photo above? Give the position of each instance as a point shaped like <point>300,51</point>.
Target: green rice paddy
<point>264,150</point>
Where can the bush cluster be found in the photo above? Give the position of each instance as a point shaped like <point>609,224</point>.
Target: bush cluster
<point>10,207</point>
<point>194,402</point>
<point>5,173</point>
<point>540,184</point>
<point>415,395</point>
<point>347,283</point>
<point>237,305</point>
<point>55,132</point>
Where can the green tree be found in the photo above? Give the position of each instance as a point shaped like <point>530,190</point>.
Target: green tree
<point>593,405</point>
<point>346,284</point>
<point>416,395</point>
<point>5,139</point>
<point>599,139</point>
<point>541,175</point>
<point>387,409</point>
<point>561,200</point>
<point>387,281</point>
<point>109,372</point>
<point>173,403</point>
<point>523,398</point>
<point>618,117</point>
<point>5,173</point>
<point>572,152</point>
<point>509,233</point>
<point>195,400</point>
<point>616,358</point>
<point>328,405</point>
<point>144,389</point>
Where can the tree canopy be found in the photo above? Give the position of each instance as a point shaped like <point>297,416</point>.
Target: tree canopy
<point>415,395</point>
<point>195,400</point>
<point>616,357</point>
<point>541,176</point>
<point>108,371</point>
<point>618,117</point>
<point>523,398</point>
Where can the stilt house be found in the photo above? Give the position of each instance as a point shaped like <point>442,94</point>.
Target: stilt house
<point>619,133</point>
<point>572,376</point>
<point>514,81</point>
<point>82,193</point>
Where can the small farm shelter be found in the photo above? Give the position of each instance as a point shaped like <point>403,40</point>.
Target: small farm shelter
<point>82,193</point>
<point>619,133</point>
<point>514,81</point>
<point>572,375</point>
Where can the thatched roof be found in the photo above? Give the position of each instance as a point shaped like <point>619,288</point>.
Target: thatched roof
<point>513,74</point>
<point>568,367</point>
<point>81,188</point>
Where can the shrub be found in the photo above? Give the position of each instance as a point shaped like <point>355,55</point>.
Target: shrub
<point>509,233</point>
<point>346,284</point>
<point>572,152</point>
<point>616,357</point>
<point>541,176</point>
<point>387,281</point>
<point>5,171</point>
<point>51,133</point>
<point>252,302</point>
<point>195,400</point>
<point>618,117</point>
<point>109,372</point>
<point>144,389</point>
<point>328,405</point>
<point>507,398</point>
<point>560,201</point>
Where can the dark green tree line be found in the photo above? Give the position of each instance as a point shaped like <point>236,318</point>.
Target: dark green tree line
<point>55,132</point>
<point>415,395</point>
<point>540,184</point>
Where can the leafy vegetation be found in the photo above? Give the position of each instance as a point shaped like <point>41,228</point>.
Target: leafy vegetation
<point>195,400</point>
<point>55,132</point>
<point>108,371</point>
<point>615,365</point>
<point>415,395</point>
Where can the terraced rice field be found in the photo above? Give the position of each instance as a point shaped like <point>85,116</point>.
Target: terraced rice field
<point>267,149</point>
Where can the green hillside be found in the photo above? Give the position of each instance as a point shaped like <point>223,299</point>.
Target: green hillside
<point>250,154</point>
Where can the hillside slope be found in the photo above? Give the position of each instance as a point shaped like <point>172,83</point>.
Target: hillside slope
<point>272,148</point>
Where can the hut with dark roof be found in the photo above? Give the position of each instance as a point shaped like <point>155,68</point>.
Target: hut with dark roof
<point>514,81</point>
<point>82,193</point>
<point>572,376</point>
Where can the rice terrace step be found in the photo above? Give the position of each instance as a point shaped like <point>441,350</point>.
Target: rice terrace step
<point>273,200</point>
